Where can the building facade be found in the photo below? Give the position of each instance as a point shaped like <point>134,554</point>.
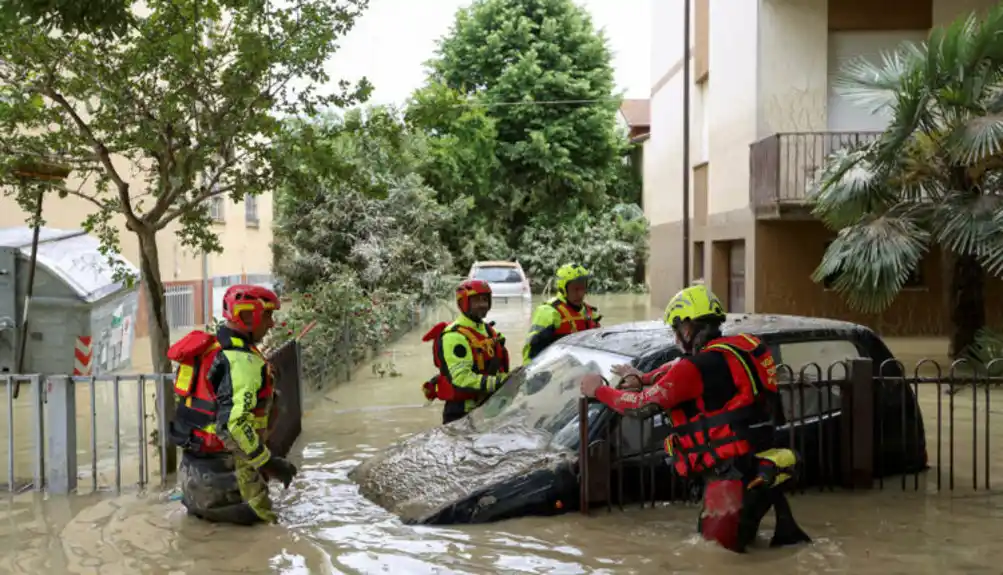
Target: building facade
<point>194,285</point>
<point>763,116</point>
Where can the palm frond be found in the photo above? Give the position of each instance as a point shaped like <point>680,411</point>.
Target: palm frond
<point>976,140</point>
<point>987,350</point>
<point>992,256</point>
<point>872,260</point>
<point>966,223</point>
<point>848,186</point>
<point>875,87</point>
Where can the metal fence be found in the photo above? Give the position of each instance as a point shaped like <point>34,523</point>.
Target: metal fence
<point>180,306</point>
<point>854,426</point>
<point>117,425</point>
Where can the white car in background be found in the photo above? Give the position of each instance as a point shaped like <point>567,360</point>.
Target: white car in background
<point>507,279</point>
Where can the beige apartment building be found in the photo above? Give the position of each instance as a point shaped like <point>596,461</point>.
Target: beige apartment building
<point>763,117</point>
<point>245,231</point>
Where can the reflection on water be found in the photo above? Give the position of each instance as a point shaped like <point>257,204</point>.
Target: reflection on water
<point>328,528</point>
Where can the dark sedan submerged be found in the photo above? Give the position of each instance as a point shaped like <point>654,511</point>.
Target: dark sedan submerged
<point>517,454</point>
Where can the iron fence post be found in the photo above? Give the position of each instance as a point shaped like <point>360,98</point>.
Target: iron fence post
<point>61,410</point>
<point>38,400</point>
<point>299,376</point>
<point>857,425</point>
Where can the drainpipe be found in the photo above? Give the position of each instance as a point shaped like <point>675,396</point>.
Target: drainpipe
<point>207,316</point>
<point>22,340</point>
<point>686,143</point>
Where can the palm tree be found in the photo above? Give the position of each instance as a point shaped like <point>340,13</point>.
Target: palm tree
<point>933,179</point>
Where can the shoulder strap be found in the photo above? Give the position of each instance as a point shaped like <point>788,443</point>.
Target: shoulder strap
<point>743,358</point>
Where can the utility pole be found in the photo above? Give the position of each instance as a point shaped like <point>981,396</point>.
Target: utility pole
<point>686,142</point>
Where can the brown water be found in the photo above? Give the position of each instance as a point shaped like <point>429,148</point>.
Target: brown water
<point>328,528</point>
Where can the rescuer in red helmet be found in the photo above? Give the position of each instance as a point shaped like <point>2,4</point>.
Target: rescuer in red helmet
<point>469,354</point>
<point>225,394</point>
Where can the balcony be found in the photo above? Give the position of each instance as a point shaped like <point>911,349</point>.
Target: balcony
<point>782,167</point>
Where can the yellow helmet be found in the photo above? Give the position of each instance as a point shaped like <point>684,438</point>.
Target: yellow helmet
<point>692,303</point>
<point>567,274</point>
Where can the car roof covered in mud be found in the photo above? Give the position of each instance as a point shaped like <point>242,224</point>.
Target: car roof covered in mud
<point>639,338</point>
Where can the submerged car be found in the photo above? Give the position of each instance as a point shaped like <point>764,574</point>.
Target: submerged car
<point>507,279</point>
<point>517,454</point>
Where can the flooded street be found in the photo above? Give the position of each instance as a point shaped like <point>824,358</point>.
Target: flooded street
<point>327,527</point>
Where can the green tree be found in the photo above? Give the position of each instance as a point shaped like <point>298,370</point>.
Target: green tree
<point>462,165</point>
<point>356,207</point>
<point>95,16</point>
<point>169,116</point>
<point>506,55</point>
<point>932,179</point>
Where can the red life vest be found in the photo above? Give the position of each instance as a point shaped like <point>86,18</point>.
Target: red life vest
<point>197,405</point>
<point>489,355</point>
<point>736,411</point>
<point>573,320</point>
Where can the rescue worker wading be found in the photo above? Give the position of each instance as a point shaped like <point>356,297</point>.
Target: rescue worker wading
<point>225,396</point>
<point>719,398</point>
<point>563,315</point>
<point>469,353</point>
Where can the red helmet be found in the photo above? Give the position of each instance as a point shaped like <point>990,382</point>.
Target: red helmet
<point>244,297</point>
<point>470,288</point>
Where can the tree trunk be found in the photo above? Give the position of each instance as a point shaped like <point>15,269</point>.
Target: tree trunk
<point>159,330</point>
<point>967,301</point>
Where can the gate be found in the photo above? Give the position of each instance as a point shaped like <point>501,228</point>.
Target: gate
<point>180,306</point>
<point>854,425</point>
<point>123,422</point>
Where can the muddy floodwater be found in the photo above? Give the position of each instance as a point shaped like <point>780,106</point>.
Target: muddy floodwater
<point>328,528</point>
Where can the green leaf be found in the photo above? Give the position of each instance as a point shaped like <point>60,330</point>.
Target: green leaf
<point>872,260</point>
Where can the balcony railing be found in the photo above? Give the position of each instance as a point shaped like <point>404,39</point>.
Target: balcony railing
<point>782,166</point>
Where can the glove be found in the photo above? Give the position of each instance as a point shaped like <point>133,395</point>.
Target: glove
<point>279,469</point>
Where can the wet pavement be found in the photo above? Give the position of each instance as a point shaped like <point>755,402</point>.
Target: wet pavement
<point>328,528</point>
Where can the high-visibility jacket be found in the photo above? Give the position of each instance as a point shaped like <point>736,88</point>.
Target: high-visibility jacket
<point>736,413</point>
<point>225,391</point>
<point>471,358</point>
<point>555,319</point>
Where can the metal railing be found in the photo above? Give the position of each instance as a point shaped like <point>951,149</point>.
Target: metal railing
<point>180,301</point>
<point>852,428</point>
<point>782,166</point>
<point>51,448</point>
<point>118,423</point>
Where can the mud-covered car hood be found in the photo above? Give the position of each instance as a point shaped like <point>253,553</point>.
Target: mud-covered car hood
<point>418,477</point>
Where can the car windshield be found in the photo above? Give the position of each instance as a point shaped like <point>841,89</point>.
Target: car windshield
<point>544,396</point>
<point>498,274</point>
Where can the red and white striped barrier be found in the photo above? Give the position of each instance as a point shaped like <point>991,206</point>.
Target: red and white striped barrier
<point>82,356</point>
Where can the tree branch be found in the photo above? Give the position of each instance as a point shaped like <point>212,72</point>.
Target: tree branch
<point>103,155</point>
<point>205,196</point>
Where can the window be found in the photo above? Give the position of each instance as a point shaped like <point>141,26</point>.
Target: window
<point>498,274</point>
<point>701,25</point>
<point>216,212</point>
<point>736,276</point>
<point>251,211</point>
<point>697,261</point>
<point>544,395</point>
<point>802,401</point>
<point>914,281</point>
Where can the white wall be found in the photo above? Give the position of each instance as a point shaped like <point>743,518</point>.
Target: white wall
<point>662,191</point>
<point>731,102</point>
<point>845,115</point>
<point>792,71</point>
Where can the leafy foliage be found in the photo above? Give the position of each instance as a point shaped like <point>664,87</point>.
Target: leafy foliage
<point>608,244</point>
<point>930,180</point>
<point>520,113</point>
<point>357,209</point>
<point>95,16</point>
<point>174,112</point>
<point>356,234</point>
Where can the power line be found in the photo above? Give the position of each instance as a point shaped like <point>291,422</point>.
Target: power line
<point>535,103</point>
